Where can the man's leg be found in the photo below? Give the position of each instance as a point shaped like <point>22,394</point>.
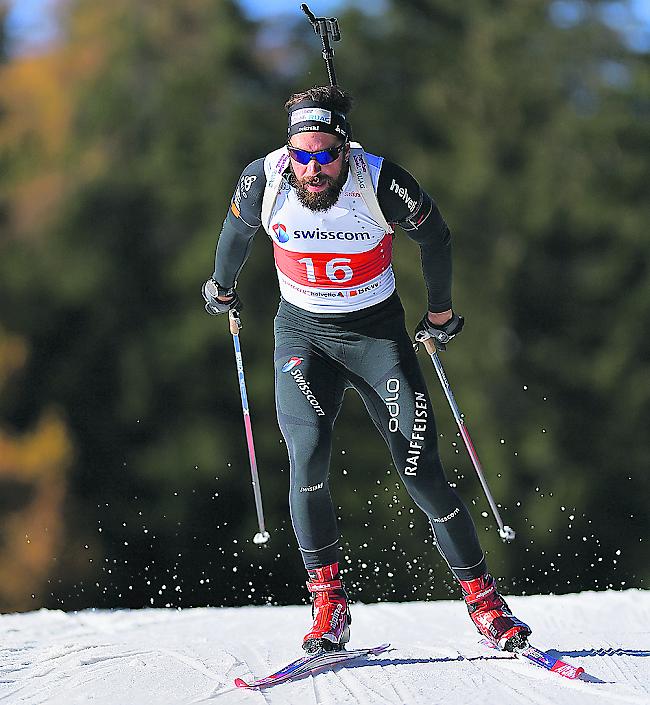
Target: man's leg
<point>388,378</point>
<point>400,407</point>
<point>407,423</point>
<point>309,393</point>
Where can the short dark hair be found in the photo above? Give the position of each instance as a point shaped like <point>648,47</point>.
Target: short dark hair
<point>332,98</point>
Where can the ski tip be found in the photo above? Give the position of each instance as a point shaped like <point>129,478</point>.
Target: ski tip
<point>241,684</point>
<point>567,670</point>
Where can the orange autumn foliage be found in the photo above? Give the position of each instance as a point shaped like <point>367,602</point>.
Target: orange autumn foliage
<point>38,95</point>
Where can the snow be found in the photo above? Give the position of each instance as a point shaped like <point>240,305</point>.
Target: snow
<point>165,657</point>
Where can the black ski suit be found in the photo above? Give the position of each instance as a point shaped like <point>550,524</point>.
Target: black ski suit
<point>320,355</point>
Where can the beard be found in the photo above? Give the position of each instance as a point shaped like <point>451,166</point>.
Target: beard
<point>321,200</point>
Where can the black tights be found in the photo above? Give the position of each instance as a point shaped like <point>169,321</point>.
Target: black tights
<point>319,356</point>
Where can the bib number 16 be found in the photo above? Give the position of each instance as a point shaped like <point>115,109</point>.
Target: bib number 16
<point>337,270</point>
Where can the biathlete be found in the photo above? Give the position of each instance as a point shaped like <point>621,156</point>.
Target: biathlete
<point>330,209</point>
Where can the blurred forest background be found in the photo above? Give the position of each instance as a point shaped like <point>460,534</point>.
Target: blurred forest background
<point>124,478</point>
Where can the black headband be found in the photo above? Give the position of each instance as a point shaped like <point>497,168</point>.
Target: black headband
<point>312,116</point>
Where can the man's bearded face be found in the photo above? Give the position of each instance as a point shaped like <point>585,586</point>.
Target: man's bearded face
<point>318,186</point>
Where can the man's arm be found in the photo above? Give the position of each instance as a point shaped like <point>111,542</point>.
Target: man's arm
<point>404,202</point>
<point>240,225</point>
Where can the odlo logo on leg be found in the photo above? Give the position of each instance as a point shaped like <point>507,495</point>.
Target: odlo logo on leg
<point>392,387</point>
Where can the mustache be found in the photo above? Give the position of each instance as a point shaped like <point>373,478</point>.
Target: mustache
<point>317,179</point>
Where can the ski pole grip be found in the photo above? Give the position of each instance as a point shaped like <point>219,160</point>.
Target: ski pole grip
<point>429,345</point>
<point>235,323</point>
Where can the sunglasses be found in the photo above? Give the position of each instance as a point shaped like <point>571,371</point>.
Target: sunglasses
<point>323,156</point>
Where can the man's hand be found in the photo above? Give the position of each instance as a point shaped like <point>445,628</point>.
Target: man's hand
<point>219,300</point>
<point>442,327</point>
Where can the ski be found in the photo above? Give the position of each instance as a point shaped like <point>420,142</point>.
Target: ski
<point>311,664</point>
<point>542,659</point>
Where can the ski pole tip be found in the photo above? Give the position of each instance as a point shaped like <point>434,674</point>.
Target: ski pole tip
<point>261,538</point>
<point>507,534</point>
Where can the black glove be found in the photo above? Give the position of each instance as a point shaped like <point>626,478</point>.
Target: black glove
<point>441,334</point>
<point>211,289</point>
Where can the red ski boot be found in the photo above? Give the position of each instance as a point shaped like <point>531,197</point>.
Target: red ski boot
<point>331,628</point>
<point>491,614</point>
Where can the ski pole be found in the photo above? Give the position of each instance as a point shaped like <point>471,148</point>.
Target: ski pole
<point>505,532</point>
<point>326,28</point>
<point>235,324</point>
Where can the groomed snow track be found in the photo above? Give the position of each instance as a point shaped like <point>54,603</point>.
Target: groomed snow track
<point>169,657</point>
